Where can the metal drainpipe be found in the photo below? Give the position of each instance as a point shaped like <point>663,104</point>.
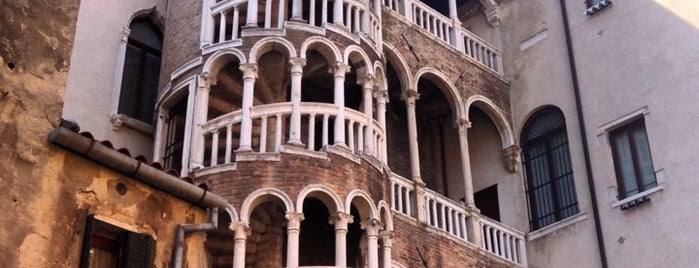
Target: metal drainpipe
<point>97,152</point>
<point>586,149</point>
<point>182,229</point>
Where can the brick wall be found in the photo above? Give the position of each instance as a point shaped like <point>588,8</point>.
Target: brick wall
<point>417,245</point>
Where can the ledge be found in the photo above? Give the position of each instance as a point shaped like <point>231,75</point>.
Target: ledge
<point>556,226</point>
<point>119,120</point>
<point>642,196</point>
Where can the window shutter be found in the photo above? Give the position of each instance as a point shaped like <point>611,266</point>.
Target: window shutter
<point>87,236</point>
<point>138,251</point>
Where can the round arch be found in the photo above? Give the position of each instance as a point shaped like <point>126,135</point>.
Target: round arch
<point>267,44</point>
<point>222,57</point>
<point>489,107</point>
<point>401,66</point>
<point>449,90</point>
<point>385,215</point>
<point>366,208</point>
<point>261,195</point>
<point>352,50</point>
<point>331,200</point>
<point>232,213</point>
<point>380,76</point>
<point>324,46</point>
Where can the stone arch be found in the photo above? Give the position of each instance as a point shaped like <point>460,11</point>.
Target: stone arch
<point>385,215</point>
<point>356,54</point>
<point>380,75</point>
<point>323,193</point>
<point>261,195</point>
<point>219,59</point>
<point>267,44</point>
<point>498,118</point>
<point>324,46</point>
<point>366,208</point>
<point>400,65</point>
<point>232,213</point>
<point>447,88</point>
<point>529,115</point>
<point>151,12</point>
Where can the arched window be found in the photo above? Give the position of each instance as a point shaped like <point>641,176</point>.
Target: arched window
<point>548,171</point>
<point>139,84</point>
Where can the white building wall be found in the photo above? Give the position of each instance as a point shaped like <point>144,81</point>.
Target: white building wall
<point>635,54</point>
<point>536,63</point>
<point>91,77</point>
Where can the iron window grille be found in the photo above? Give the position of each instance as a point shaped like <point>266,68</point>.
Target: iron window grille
<point>548,170</point>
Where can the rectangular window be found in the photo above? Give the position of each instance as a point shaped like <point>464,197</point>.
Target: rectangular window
<point>632,158</point>
<point>108,246</point>
<point>172,158</point>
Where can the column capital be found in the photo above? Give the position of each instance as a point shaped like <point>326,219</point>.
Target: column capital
<point>205,81</point>
<point>241,229</point>
<point>380,94</point>
<point>124,34</point>
<point>410,96</point>
<point>340,69</point>
<point>493,13</point>
<point>372,226</point>
<point>387,237</point>
<point>295,219</point>
<point>341,220</point>
<point>249,70</point>
<point>367,81</point>
<point>511,156</point>
<point>297,64</point>
<point>462,124</point>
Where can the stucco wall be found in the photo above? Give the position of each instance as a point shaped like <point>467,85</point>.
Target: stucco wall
<point>637,54</point>
<point>89,97</point>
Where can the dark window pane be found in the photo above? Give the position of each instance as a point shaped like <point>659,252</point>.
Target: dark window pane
<point>632,159</point>
<point>549,174</point>
<point>139,83</point>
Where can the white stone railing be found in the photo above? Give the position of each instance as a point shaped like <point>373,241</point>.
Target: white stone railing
<point>445,214</point>
<point>402,195</point>
<point>270,124</point>
<point>481,51</point>
<point>429,19</point>
<point>503,241</point>
<point>223,23</point>
<point>454,219</point>
<point>449,31</point>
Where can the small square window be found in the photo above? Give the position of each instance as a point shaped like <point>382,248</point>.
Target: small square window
<point>632,158</point>
<point>105,245</point>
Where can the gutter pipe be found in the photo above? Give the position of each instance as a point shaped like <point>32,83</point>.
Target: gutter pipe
<point>586,148</point>
<point>102,154</point>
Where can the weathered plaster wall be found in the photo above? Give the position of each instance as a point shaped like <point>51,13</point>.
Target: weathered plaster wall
<point>34,54</point>
<point>47,191</point>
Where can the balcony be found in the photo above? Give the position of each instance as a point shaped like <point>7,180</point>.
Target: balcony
<point>271,124</point>
<point>226,22</point>
<point>457,221</point>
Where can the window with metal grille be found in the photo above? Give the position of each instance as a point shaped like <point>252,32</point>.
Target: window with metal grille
<point>548,170</point>
<point>105,245</point>
<point>632,159</point>
<point>139,84</point>
<point>176,120</point>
